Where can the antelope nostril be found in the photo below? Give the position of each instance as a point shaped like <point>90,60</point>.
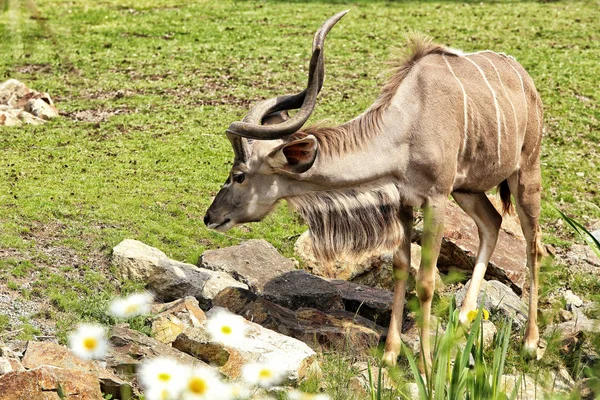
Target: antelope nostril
<point>206,219</point>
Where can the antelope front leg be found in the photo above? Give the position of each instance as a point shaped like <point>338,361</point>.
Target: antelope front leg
<point>433,229</point>
<point>400,269</point>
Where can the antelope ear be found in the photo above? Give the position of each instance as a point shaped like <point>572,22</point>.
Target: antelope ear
<point>297,156</point>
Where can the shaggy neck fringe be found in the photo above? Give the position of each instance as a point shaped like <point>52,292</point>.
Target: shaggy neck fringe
<point>352,223</point>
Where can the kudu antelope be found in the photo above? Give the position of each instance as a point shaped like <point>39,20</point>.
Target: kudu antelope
<point>446,123</point>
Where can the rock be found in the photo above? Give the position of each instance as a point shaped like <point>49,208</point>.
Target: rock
<point>48,353</point>
<point>579,323</point>
<point>129,348</point>
<point>564,315</point>
<point>12,91</point>
<point>373,304</point>
<point>582,254</point>
<point>41,106</point>
<point>338,330</point>
<point>50,383</point>
<point>526,386</point>
<point>596,234</point>
<point>172,318</point>
<point>489,331</point>
<point>387,383</point>
<point>196,342</point>
<point>260,345</point>
<point>461,242</point>
<point>572,299</point>
<point>345,270</point>
<point>167,278</point>
<point>29,119</point>
<point>254,262</point>
<point>5,366</point>
<point>299,289</point>
<point>9,119</point>
<point>501,298</point>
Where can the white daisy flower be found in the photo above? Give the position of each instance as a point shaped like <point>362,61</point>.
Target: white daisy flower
<point>159,393</point>
<point>239,391</point>
<point>263,375</point>
<point>203,383</point>
<point>163,378</point>
<point>226,328</point>
<point>132,305</point>
<point>298,395</point>
<point>89,341</point>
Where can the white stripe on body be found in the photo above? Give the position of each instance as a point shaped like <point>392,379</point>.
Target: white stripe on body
<point>511,106</point>
<point>498,122</point>
<point>465,131</point>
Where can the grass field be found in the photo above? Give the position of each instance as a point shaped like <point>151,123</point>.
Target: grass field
<point>147,88</point>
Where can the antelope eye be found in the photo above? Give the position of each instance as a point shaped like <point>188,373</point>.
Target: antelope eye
<point>239,178</point>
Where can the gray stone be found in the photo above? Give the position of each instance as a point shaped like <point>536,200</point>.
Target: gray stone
<point>259,345</point>
<point>581,255</point>
<point>498,297</point>
<point>572,299</point>
<point>254,263</point>
<point>168,279</point>
<point>371,303</point>
<point>42,107</point>
<point>335,329</point>
<point>12,91</point>
<point>128,349</point>
<point>5,366</point>
<point>299,289</point>
<point>7,118</point>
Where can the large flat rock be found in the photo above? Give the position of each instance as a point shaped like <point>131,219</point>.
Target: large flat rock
<point>299,289</point>
<point>53,354</point>
<point>46,382</point>
<point>336,329</point>
<point>254,263</point>
<point>371,303</point>
<point>129,348</point>
<point>168,279</point>
<point>260,345</point>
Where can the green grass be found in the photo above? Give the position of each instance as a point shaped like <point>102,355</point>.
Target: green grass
<point>147,88</point>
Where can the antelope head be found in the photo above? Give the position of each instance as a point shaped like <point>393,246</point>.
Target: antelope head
<point>267,162</point>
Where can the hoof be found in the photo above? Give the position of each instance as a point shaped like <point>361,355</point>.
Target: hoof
<point>389,358</point>
<point>534,350</point>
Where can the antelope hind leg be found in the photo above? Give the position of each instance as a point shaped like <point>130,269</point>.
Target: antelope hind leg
<point>488,222</point>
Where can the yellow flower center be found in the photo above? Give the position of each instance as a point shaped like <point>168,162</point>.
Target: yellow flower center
<point>265,373</point>
<point>131,309</point>
<point>90,343</point>
<point>165,377</point>
<point>226,330</point>
<point>197,385</point>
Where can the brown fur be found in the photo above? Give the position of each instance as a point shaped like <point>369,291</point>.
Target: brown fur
<point>355,134</point>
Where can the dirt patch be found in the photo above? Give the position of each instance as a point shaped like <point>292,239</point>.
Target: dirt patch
<point>97,115</point>
<point>35,69</point>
